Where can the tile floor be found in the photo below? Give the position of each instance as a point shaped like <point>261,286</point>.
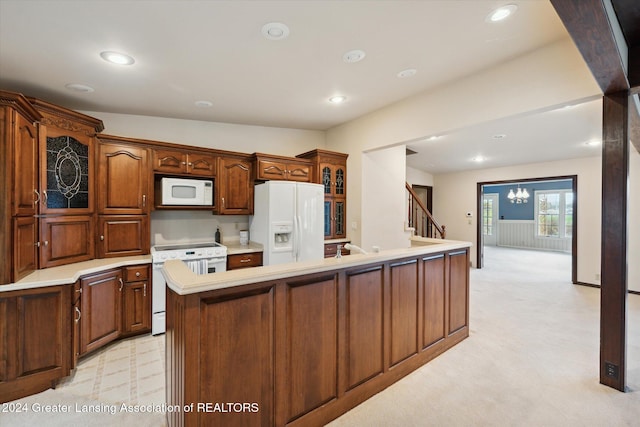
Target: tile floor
<point>129,371</point>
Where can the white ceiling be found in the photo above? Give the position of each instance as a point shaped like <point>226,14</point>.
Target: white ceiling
<point>187,51</point>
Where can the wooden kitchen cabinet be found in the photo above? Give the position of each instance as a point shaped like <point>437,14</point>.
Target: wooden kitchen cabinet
<point>101,320</point>
<point>123,198</point>
<point>331,249</point>
<point>136,314</point>
<point>25,245</point>
<point>123,179</point>
<point>330,170</point>
<point>183,162</point>
<point>34,340</point>
<point>19,189</point>
<point>123,235</point>
<point>270,167</point>
<point>66,239</point>
<point>237,261</point>
<point>235,186</point>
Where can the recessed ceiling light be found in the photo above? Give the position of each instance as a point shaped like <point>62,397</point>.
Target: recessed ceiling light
<point>338,99</point>
<point>592,143</point>
<point>478,159</point>
<point>204,104</point>
<point>433,138</point>
<point>407,73</point>
<point>501,13</point>
<point>499,136</point>
<point>275,31</point>
<point>77,87</point>
<point>353,56</point>
<point>117,58</point>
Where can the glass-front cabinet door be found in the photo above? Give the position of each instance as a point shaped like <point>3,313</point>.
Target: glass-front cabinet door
<point>67,172</point>
<point>334,218</point>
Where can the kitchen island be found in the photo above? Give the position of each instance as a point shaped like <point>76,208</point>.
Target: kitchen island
<point>302,343</point>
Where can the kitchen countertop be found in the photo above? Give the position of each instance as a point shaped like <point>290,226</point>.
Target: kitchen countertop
<point>68,274</point>
<point>183,281</point>
<point>235,248</point>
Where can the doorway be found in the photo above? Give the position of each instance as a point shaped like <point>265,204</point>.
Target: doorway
<point>571,228</point>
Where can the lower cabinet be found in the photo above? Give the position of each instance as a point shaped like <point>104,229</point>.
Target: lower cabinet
<point>114,303</point>
<point>251,259</point>
<point>34,340</point>
<point>136,316</point>
<point>305,349</point>
<point>101,320</point>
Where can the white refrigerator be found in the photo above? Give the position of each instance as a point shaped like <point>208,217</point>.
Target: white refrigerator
<point>288,221</point>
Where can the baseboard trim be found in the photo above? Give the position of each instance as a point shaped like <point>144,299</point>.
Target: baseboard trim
<point>598,286</point>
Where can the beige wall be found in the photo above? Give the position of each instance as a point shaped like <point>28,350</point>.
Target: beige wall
<point>633,256</point>
<point>223,136</point>
<point>546,77</point>
<point>455,194</point>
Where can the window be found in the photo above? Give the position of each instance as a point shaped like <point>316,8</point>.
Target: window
<point>554,213</point>
<point>487,217</point>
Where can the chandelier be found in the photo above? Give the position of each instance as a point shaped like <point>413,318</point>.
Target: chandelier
<point>520,196</point>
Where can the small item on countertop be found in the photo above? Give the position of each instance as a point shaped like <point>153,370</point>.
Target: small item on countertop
<point>218,235</point>
<point>244,237</point>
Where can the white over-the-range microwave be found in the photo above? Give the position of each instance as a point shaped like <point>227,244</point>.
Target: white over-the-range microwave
<point>186,192</point>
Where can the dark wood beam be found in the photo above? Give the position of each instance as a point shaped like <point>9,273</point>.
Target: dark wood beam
<point>588,25</point>
<point>613,289</point>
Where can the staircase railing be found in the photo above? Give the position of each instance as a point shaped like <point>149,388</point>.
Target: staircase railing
<point>421,220</point>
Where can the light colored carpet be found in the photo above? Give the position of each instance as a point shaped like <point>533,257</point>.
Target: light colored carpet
<point>531,359</point>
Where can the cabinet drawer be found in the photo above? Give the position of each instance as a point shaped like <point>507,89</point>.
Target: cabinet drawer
<point>136,273</point>
<point>253,259</point>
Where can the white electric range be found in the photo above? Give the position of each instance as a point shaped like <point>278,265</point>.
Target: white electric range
<point>201,257</point>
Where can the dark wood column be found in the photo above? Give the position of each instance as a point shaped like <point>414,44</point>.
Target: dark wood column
<point>613,292</point>
<point>591,25</point>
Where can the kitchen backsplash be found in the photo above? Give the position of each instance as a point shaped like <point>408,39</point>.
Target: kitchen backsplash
<point>194,226</point>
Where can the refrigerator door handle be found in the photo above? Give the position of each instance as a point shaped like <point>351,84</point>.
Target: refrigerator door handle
<point>296,241</point>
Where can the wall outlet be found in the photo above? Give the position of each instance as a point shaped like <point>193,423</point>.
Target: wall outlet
<point>611,370</point>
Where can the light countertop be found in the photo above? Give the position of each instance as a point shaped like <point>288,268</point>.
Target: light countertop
<point>68,274</point>
<point>183,281</point>
<point>235,248</point>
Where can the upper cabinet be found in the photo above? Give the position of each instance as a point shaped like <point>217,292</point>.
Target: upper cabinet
<point>123,178</point>
<point>235,186</point>
<point>330,170</point>
<point>269,167</point>
<point>67,164</point>
<point>183,162</point>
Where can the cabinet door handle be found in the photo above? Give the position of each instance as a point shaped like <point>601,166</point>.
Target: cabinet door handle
<point>223,202</point>
<point>45,198</point>
<point>121,283</point>
<point>79,291</point>
<point>137,274</point>
<point>77,319</point>
<point>37,200</point>
<point>144,290</point>
<point>246,260</point>
<point>37,244</point>
<point>144,200</point>
<point>102,238</point>
<point>46,243</point>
